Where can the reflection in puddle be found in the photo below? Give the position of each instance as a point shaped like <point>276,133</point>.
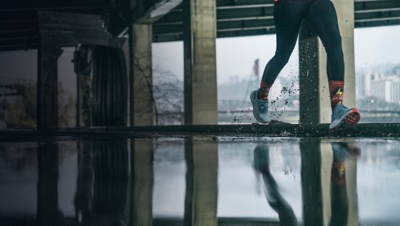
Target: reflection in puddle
<point>201,182</point>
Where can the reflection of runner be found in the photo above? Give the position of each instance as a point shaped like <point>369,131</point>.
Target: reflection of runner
<point>274,198</point>
<point>339,199</point>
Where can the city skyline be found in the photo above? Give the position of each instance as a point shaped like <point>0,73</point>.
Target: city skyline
<point>235,56</point>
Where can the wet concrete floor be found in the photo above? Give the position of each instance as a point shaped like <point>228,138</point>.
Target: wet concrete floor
<point>199,180</point>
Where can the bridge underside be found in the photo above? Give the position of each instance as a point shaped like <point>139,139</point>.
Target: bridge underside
<point>19,29</point>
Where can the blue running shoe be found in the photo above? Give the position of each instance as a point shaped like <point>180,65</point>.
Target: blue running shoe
<point>343,117</point>
<point>260,108</point>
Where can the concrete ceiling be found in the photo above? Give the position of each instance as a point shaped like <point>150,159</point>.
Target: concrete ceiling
<point>19,19</point>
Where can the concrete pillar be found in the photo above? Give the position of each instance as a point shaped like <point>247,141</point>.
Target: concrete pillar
<point>352,195</point>
<point>326,167</point>
<point>189,179</point>
<point>200,74</point>
<point>142,113</point>
<point>83,69</point>
<point>310,45</point>
<point>47,85</point>
<point>309,75</point>
<point>142,183</point>
<point>84,186</point>
<point>84,84</point>
<point>345,11</point>
<point>47,204</point>
<point>311,183</point>
<point>201,198</point>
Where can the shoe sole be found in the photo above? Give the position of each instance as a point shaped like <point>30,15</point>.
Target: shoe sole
<point>254,114</point>
<point>345,120</point>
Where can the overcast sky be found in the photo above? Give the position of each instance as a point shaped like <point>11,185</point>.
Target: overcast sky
<point>235,56</point>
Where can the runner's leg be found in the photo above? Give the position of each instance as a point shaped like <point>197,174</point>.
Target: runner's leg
<point>323,19</point>
<point>288,15</point>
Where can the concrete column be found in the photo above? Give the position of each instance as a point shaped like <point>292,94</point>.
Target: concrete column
<point>200,76</point>
<point>309,75</point>
<point>84,186</point>
<point>326,167</point>
<point>83,69</point>
<point>345,11</point>
<point>352,195</point>
<point>311,182</point>
<point>189,179</point>
<point>142,112</point>
<point>142,186</point>
<point>84,83</point>
<point>201,199</point>
<point>312,46</point>
<point>47,85</point>
<point>47,204</point>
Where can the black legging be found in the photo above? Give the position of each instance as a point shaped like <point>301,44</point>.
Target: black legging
<point>321,15</point>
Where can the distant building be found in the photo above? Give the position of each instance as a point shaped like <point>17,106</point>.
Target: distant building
<point>394,93</point>
<point>383,87</point>
<point>381,90</point>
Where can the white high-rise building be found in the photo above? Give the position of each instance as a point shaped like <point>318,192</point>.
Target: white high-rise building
<point>385,88</point>
<point>365,84</point>
<point>395,92</point>
<point>381,90</point>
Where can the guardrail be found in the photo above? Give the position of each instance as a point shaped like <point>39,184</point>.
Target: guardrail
<point>245,116</point>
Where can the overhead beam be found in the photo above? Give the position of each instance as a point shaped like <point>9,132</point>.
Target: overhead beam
<point>17,31</point>
<point>241,3</point>
<point>376,23</point>
<point>24,44</point>
<point>253,12</point>
<point>48,5</point>
<point>223,26</point>
<point>11,47</point>
<point>375,4</point>
<point>68,29</point>
<point>155,10</point>
<point>375,14</point>
<point>60,18</point>
<point>221,34</point>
